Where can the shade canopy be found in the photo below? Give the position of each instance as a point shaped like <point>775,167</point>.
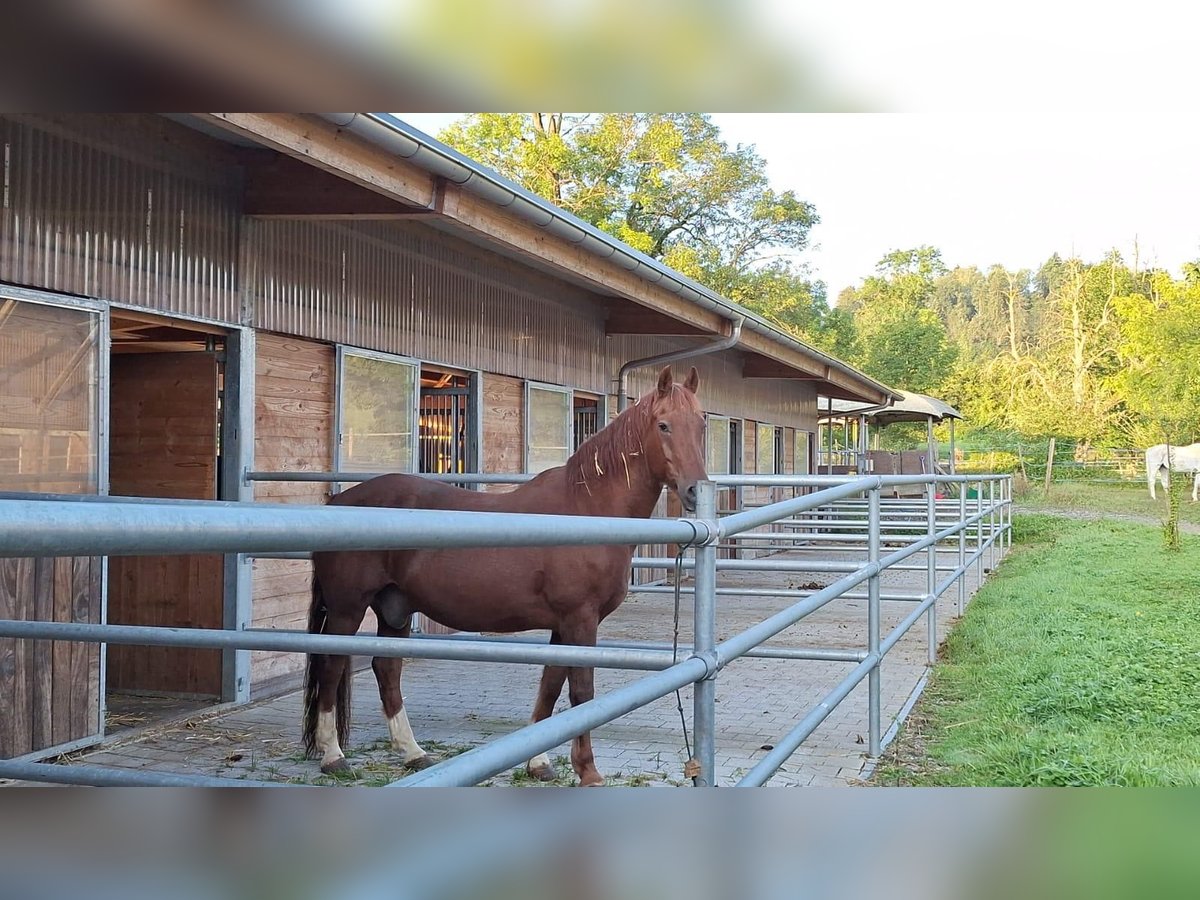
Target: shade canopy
<point>912,407</point>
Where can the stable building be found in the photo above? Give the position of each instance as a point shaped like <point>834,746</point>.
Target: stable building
<point>186,299</point>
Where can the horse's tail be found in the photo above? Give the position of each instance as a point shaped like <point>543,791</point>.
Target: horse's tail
<point>318,613</point>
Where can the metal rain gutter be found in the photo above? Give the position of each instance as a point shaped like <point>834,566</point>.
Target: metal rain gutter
<point>687,353</point>
<point>396,136</point>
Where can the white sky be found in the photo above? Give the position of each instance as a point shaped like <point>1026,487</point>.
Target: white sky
<point>1002,187</point>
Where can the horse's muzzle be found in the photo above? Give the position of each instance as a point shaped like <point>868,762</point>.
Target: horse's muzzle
<point>688,498</point>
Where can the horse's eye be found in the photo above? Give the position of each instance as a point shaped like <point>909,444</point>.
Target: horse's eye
<point>664,427</point>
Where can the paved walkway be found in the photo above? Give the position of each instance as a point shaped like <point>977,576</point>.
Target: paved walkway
<point>454,706</point>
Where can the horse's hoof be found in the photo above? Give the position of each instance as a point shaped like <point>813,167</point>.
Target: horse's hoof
<point>543,773</point>
<point>592,779</point>
<point>424,761</point>
<point>338,767</point>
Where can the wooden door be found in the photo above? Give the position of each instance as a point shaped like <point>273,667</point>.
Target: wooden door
<point>163,443</point>
<point>50,375</point>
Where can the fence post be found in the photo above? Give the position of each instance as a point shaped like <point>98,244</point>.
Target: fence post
<point>873,677</point>
<point>962,546</point>
<point>992,523</point>
<point>704,630</point>
<point>931,568</point>
<point>1049,465</point>
<point>1009,531</point>
<point>978,554</point>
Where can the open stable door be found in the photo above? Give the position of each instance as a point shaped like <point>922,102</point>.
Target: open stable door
<point>164,444</point>
<point>50,442</point>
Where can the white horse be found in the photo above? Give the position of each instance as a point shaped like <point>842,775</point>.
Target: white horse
<point>1161,459</point>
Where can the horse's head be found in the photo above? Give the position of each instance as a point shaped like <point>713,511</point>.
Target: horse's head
<point>674,442</point>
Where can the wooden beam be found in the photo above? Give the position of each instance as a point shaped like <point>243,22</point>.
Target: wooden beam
<point>279,186</point>
<point>756,366</point>
<point>633,318</point>
<point>320,144</point>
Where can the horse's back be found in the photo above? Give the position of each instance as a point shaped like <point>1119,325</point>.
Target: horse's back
<point>400,491</point>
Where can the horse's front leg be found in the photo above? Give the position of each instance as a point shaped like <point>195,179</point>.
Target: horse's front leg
<point>548,693</point>
<point>581,689</point>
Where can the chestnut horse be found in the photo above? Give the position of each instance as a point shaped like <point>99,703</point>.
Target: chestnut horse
<point>569,590</point>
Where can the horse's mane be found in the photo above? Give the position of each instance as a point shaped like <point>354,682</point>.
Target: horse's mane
<point>614,448</point>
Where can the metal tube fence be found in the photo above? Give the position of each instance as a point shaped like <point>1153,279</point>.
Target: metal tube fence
<point>811,653</point>
<point>62,528</point>
<point>365,645</point>
<point>931,573</point>
<point>514,749</point>
<point>704,631</point>
<point>873,681</point>
<point>55,526</point>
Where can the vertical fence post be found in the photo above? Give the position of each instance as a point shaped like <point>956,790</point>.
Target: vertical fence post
<point>931,568</point>
<point>1049,465</point>
<point>704,630</point>
<point>992,523</point>
<point>978,533</point>
<point>962,546</point>
<point>873,678</point>
<point>1008,504</point>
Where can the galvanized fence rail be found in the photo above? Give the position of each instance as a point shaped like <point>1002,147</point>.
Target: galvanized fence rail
<point>977,526</point>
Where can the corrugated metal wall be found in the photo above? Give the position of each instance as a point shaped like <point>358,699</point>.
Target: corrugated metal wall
<point>405,288</point>
<point>723,391</point>
<point>140,210</point>
<point>133,209</point>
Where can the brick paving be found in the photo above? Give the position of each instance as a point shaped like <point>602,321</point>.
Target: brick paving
<point>454,705</point>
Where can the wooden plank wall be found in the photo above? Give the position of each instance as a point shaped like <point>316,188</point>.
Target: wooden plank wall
<point>49,691</point>
<point>293,431</point>
<point>503,424</point>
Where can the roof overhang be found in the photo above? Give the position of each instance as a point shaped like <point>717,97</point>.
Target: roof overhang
<point>372,166</point>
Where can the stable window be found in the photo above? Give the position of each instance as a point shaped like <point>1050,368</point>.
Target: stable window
<point>548,426</point>
<point>717,445</point>
<point>377,412</point>
<point>803,441</point>
<point>766,449</point>
<point>589,417</point>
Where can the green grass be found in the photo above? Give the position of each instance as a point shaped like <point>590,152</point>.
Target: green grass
<point>1119,499</point>
<point>1078,663</point>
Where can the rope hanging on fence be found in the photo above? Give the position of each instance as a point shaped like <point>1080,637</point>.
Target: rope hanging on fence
<point>691,767</point>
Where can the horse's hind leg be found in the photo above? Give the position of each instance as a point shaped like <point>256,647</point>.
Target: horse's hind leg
<point>396,621</point>
<point>548,692</point>
<point>333,697</point>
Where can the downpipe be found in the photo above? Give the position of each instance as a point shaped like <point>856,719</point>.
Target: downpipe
<point>724,343</point>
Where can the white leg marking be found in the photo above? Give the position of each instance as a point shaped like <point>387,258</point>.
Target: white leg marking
<point>327,741</point>
<point>402,736</point>
<point>541,761</point>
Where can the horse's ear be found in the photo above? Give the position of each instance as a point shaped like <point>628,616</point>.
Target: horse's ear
<point>665,381</point>
<point>693,380</point>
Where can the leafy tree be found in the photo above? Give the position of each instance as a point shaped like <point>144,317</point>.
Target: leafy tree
<point>667,185</point>
<point>1160,354</point>
<point>899,339</point>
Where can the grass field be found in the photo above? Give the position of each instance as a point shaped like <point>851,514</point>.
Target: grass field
<point>1129,499</point>
<point>1078,663</point>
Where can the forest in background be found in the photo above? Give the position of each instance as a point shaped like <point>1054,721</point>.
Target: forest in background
<point>1100,353</point>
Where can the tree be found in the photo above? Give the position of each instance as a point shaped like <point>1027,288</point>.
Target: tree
<point>899,339</point>
<point>1160,355</point>
<point>665,184</point>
